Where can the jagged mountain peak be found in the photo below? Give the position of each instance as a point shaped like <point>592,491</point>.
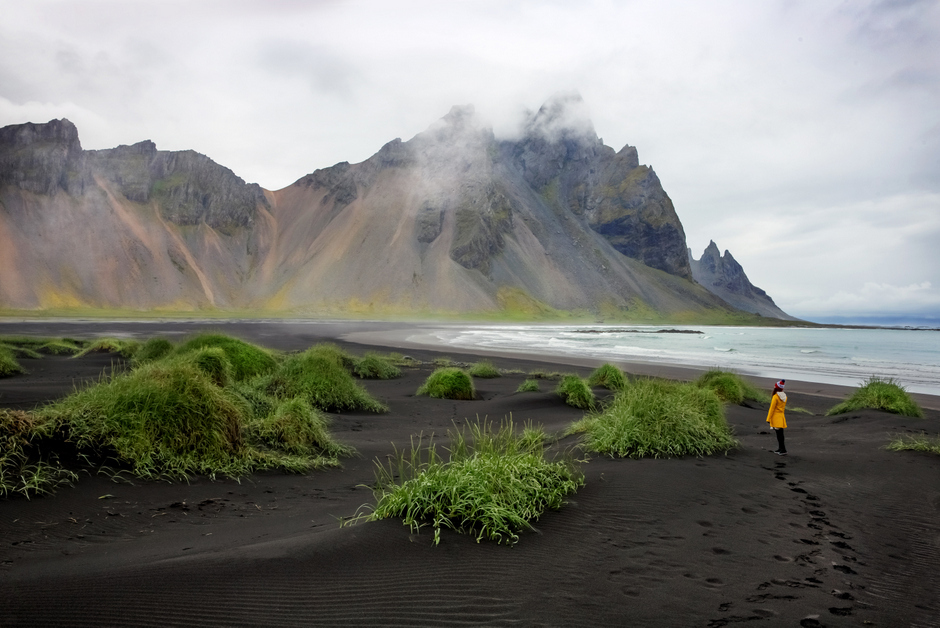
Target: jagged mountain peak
<point>564,116</point>
<point>723,276</point>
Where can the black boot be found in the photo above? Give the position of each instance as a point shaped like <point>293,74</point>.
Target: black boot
<point>781,447</point>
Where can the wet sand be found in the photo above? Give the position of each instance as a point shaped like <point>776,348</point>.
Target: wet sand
<point>839,533</point>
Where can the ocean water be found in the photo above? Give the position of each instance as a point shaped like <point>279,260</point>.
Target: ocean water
<point>834,356</point>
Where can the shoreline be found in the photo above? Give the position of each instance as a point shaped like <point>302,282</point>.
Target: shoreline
<point>284,334</point>
<point>397,339</point>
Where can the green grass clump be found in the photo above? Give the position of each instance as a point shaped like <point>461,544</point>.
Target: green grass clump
<point>125,348</point>
<point>399,359</point>
<point>318,376</point>
<point>731,387</point>
<point>442,361</point>
<point>529,385</point>
<point>539,374</point>
<point>213,363</point>
<point>335,353</point>
<point>160,420</point>
<point>59,347</point>
<point>247,360</point>
<point>448,383</point>
<point>493,484</point>
<point>152,350</point>
<point>658,418</point>
<point>374,366</point>
<point>484,369</point>
<point>922,443</point>
<point>880,394</point>
<point>576,392</point>
<point>296,427</point>
<point>607,376</point>
<point>22,351</point>
<point>8,364</point>
<point>21,468</point>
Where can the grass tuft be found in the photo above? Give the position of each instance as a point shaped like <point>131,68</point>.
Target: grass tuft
<point>922,443</point>
<point>880,394</point>
<point>22,470</point>
<point>59,347</point>
<point>607,376</point>
<point>448,383</point>
<point>23,351</point>
<point>731,387</point>
<point>318,376</point>
<point>152,350</point>
<point>484,370</point>
<point>8,364</point>
<point>374,366</point>
<point>125,348</point>
<point>576,392</point>
<point>247,360</point>
<point>539,374</point>
<point>660,419</point>
<point>493,484</point>
<point>296,427</point>
<point>529,385</point>
<point>161,420</point>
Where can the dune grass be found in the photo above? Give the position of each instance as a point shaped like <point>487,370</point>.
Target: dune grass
<point>185,411</point>
<point>318,375</point>
<point>529,385</point>
<point>731,387</point>
<point>22,470</point>
<point>59,346</point>
<point>20,351</point>
<point>161,420</point>
<point>448,383</point>
<point>297,428</point>
<point>247,360</point>
<point>484,370</point>
<point>660,419</point>
<point>153,349</point>
<point>539,374</point>
<point>375,366</point>
<point>125,348</point>
<point>922,443</point>
<point>8,364</point>
<point>493,484</point>
<point>607,376</point>
<point>880,394</point>
<point>576,392</point>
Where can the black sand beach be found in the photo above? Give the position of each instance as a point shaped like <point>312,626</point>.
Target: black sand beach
<point>839,533</point>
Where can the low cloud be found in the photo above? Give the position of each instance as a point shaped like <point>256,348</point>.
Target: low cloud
<point>876,299</point>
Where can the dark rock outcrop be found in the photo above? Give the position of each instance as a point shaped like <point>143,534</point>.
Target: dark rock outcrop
<point>723,276</point>
<point>42,158</point>
<point>561,156</point>
<point>189,187</point>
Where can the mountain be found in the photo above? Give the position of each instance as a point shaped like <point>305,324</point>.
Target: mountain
<point>452,221</point>
<point>723,275</point>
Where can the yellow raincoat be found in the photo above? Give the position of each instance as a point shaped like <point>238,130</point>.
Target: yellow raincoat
<point>775,415</point>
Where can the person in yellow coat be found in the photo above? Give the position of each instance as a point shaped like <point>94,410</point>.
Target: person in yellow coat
<point>776,417</point>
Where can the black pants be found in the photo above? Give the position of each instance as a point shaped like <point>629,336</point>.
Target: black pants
<point>780,446</point>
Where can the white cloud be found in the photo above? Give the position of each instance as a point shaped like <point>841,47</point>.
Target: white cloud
<point>877,299</point>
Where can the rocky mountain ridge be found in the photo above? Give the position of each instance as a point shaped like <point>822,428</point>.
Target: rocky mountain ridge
<point>453,220</point>
<point>724,276</point>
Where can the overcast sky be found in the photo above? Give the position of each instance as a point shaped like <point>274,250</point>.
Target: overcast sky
<point>803,136</point>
